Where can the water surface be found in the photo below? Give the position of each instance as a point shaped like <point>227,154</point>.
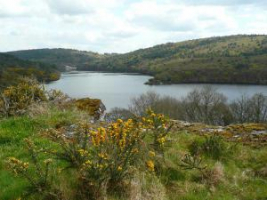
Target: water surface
<point>117,89</point>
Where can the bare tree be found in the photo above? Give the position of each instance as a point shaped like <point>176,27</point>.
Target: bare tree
<point>241,109</point>
<point>118,113</point>
<point>169,106</point>
<point>142,103</point>
<point>258,108</point>
<point>206,105</point>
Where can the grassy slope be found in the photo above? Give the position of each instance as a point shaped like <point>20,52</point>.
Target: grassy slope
<point>239,181</point>
<point>231,59</point>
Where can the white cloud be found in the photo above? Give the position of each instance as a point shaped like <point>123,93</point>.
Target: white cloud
<point>69,7</point>
<point>123,25</point>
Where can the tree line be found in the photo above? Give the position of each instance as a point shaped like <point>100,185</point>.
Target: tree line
<point>205,105</point>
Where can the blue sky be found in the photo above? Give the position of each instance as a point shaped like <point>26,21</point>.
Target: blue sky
<point>123,25</point>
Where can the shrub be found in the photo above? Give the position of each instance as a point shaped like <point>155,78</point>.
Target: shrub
<point>213,147</point>
<point>157,123</point>
<point>37,173</point>
<point>192,162</point>
<point>93,107</point>
<point>15,100</point>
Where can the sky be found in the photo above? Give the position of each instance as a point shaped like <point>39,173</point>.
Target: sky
<point>119,26</point>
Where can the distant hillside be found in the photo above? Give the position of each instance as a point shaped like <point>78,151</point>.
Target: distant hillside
<point>232,59</point>
<point>11,68</point>
<point>59,57</point>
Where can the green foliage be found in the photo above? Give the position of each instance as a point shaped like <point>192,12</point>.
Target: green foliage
<point>192,162</point>
<point>58,57</point>
<point>13,69</point>
<point>40,182</point>
<point>213,147</point>
<point>15,100</point>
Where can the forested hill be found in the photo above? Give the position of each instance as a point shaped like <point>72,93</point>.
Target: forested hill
<point>11,68</point>
<point>231,59</point>
<point>59,57</point>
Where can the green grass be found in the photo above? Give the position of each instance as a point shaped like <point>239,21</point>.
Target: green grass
<point>13,131</point>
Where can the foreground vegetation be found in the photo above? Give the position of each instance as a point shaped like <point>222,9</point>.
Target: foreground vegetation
<point>239,59</point>
<point>53,150</point>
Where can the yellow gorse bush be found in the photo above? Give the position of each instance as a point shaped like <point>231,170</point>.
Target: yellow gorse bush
<point>15,100</point>
<point>123,145</point>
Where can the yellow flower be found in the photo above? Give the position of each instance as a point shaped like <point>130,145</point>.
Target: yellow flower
<point>114,126</point>
<point>102,130</point>
<point>82,152</point>
<point>150,165</point>
<point>151,154</point>
<point>119,168</point>
<point>93,133</point>
<point>119,121</point>
<point>14,160</point>
<point>135,150</point>
<point>130,121</point>
<point>161,140</point>
<point>88,162</point>
<point>103,156</point>
<point>149,121</point>
<point>25,165</point>
<point>100,166</point>
<point>153,115</point>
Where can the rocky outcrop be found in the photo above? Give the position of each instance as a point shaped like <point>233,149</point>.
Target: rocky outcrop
<point>249,133</point>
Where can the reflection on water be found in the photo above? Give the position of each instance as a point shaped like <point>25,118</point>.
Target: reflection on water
<point>117,89</point>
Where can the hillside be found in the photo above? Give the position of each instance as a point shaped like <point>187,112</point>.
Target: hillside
<point>59,57</point>
<point>239,59</point>
<point>11,68</point>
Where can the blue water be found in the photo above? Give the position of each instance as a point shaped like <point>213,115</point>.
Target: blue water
<point>117,89</point>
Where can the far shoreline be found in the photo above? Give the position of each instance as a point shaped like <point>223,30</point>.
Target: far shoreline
<point>151,82</point>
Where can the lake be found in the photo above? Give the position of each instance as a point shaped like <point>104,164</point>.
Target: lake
<point>117,89</point>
